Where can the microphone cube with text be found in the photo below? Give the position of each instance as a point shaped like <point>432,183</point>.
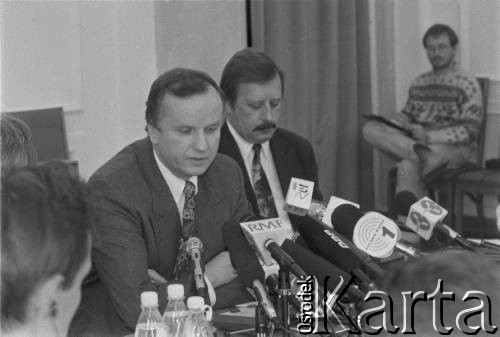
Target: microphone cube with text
<point>299,196</point>
<point>259,232</point>
<point>423,216</point>
<point>299,201</point>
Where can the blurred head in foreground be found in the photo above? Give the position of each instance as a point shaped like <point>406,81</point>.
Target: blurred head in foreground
<point>46,218</point>
<point>450,289</point>
<point>16,143</point>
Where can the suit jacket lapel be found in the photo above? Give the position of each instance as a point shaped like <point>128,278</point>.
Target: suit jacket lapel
<point>165,219</point>
<point>229,147</point>
<point>283,160</point>
<point>160,191</point>
<point>207,198</point>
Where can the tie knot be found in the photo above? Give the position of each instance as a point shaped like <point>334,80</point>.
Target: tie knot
<point>189,189</point>
<point>256,149</point>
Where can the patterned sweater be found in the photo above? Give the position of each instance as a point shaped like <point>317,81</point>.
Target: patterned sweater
<point>448,106</point>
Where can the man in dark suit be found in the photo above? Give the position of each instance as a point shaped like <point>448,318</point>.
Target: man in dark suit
<point>152,189</point>
<point>269,156</point>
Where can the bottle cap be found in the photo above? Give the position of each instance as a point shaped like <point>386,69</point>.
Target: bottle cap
<point>175,291</point>
<point>149,298</point>
<point>195,302</point>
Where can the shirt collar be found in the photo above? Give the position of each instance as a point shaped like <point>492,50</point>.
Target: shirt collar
<point>245,146</point>
<point>175,183</point>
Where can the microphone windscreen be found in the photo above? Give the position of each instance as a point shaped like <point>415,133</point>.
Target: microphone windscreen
<point>242,255</point>
<point>404,200</point>
<point>336,250</point>
<point>344,219</point>
<point>315,265</point>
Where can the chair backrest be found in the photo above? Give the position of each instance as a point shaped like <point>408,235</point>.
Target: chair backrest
<point>48,130</point>
<point>484,83</point>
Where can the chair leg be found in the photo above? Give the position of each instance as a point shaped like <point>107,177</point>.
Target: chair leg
<point>480,215</point>
<point>459,202</point>
<point>391,192</point>
<point>450,202</point>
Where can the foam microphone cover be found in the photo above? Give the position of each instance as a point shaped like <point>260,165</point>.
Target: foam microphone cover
<point>242,255</point>
<point>404,200</point>
<point>344,219</point>
<point>322,244</point>
<point>317,266</point>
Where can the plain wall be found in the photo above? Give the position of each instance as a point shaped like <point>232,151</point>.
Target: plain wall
<point>98,59</point>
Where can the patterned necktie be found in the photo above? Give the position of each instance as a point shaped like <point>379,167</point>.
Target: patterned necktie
<point>262,189</point>
<point>182,263</point>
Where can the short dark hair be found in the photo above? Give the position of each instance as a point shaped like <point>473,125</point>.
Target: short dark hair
<point>179,82</point>
<point>248,66</point>
<point>440,29</point>
<point>46,219</point>
<point>460,272</point>
<point>16,142</point>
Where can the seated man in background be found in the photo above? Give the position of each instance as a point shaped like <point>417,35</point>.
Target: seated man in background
<point>460,272</point>
<point>16,143</point>
<point>443,116</point>
<point>46,219</point>
<point>161,190</point>
<point>269,156</point>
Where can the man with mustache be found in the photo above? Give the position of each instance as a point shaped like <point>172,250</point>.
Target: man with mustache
<point>443,115</point>
<point>269,156</point>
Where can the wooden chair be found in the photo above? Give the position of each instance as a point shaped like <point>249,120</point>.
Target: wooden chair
<point>475,184</point>
<point>443,187</point>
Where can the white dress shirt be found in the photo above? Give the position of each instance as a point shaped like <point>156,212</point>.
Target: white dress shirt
<point>175,184</point>
<point>267,162</point>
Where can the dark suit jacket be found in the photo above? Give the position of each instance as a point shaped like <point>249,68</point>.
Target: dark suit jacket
<point>140,225</point>
<point>293,157</point>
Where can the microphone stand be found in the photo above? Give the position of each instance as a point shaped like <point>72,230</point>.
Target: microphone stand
<point>203,292</point>
<point>260,321</point>
<point>284,290</point>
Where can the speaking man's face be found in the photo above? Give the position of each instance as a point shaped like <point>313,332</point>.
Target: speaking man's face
<point>186,137</point>
<point>256,110</point>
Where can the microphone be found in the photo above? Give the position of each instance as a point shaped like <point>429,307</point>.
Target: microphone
<point>372,232</point>
<point>329,244</point>
<point>260,233</point>
<point>265,236</point>
<point>424,215</point>
<point>299,201</point>
<point>284,259</point>
<point>194,247</point>
<point>247,265</point>
<point>320,268</point>
<point>299,196</point>
<point>265,241</point>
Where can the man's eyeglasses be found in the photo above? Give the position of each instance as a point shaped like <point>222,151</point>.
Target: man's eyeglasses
<point>441,47</point>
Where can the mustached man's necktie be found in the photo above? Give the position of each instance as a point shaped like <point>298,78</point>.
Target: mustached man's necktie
<point>183,263</point>
<point>262,189</point>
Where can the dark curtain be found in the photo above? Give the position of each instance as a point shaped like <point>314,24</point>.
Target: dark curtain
<point>323,48</point>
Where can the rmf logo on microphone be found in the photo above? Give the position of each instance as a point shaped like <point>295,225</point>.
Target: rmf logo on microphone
<point>258,232</point>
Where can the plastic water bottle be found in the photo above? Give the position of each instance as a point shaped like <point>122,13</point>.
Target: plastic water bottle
<point>198,324</point>
<point>150,323</point>
<point>176,313</point>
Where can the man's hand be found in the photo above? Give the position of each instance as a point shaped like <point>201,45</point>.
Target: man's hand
<point>219,270</point>
<point>155,277</point>
<point>418,133</point>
